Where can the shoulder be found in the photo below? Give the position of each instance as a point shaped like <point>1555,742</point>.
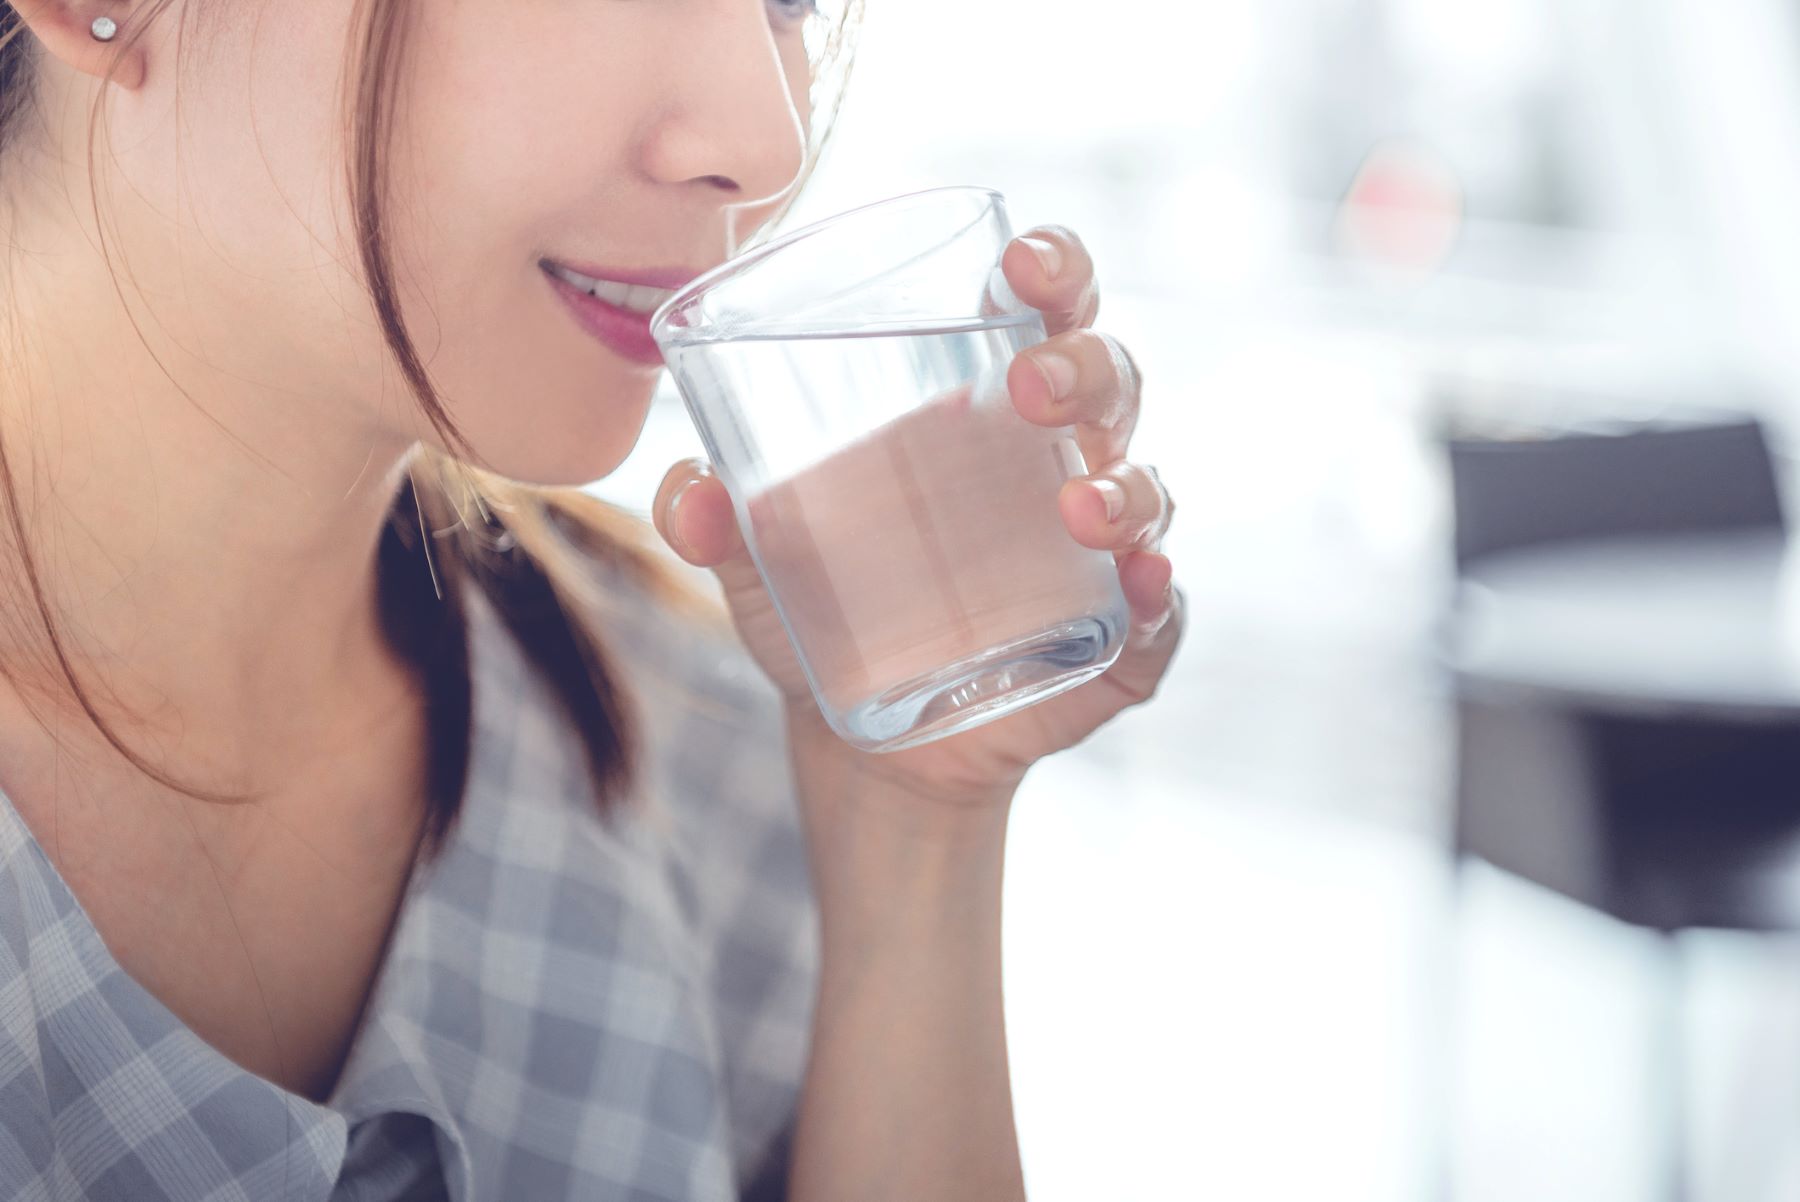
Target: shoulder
<point>715,750</point>
<point>664,621</point>
<point>677,677</point>
<point>716,766</point>
<point>22,920</point>
<point>103,1091</point>
<point>715,779</point>
<point>41,944</point>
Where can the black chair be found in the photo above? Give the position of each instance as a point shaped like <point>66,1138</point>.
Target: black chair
<point>1510,493</point>
<point>1664,816</point>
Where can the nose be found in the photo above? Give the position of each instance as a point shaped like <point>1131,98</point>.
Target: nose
<point>729,119</point>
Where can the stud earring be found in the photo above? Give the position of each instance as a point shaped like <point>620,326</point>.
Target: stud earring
<point>104,28</point>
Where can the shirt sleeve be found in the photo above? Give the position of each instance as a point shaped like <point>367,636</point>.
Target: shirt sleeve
<point>26,1141</point>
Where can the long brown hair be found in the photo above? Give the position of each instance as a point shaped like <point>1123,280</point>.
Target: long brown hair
<point>453,524</point>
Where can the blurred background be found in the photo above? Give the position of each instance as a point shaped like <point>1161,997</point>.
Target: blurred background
<point>1459,855</point>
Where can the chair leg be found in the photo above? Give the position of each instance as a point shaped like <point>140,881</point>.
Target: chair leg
<point>1669,1058</point>
<point>1445,1059</point>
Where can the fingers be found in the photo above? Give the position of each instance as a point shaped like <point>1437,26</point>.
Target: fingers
<point>688,511</point>
<point>1049,269</point>
<point>1148,579</point>
<point>1080,378</point>
<point>694,514</point>
<point>1121,508</point>
<point>1157,626</point>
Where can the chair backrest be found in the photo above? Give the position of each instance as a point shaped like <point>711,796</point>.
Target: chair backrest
<point>1515,493</point>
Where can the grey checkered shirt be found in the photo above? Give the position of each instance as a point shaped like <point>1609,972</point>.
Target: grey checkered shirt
<point>566,1009</point>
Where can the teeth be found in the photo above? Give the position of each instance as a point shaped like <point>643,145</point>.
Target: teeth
<point>639,298</point>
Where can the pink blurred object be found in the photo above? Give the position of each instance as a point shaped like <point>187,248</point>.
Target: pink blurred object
<point>1403,210</point>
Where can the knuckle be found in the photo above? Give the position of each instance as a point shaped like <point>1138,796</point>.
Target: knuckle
<point>1069,236</point>
<point>1158,505</point>
<point>1091,346</point>
<point>1133,374</point>
<point>1124,368</point>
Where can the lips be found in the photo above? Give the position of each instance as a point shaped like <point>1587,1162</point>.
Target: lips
<point>623,331</point>
<point>620,315</point>
<point>654,277</point>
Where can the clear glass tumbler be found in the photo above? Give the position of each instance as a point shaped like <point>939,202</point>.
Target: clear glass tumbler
<point>848,381</point>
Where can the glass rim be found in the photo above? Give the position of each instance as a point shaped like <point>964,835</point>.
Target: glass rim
<point>730,267</point>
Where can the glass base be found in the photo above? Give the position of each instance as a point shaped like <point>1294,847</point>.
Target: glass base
<point>984,687</point>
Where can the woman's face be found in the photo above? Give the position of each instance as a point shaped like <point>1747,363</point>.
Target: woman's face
<point>626,134</point>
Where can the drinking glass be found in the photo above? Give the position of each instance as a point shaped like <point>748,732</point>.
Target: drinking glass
<point>848,381</point>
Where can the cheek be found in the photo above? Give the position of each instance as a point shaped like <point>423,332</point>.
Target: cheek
<point>241,197</point>
<point>501,173</point>
<point>538,398</point>
<point>551,426</point>
<point>516,139</point>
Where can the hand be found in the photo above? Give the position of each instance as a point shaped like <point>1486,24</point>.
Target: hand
<point>1098,393</point>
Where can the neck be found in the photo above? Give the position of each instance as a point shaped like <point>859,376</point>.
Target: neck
<point>208,548</point>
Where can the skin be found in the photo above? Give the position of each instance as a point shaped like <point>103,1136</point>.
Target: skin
<point>214,550</point>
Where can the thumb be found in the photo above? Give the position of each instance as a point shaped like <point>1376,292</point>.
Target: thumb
<point>694,514</point>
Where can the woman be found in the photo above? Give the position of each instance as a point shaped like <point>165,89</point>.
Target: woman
<point>382,815</point>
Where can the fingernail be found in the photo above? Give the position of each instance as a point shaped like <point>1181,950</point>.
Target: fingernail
<point>675,511</point>
<point>1113,495</point>
<point>1047,254</point>
<point>1059,372</point>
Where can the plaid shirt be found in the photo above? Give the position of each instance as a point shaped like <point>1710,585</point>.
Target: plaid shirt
<point>567,1009</point>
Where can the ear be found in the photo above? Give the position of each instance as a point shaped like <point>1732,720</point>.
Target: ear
<point>65,29</point>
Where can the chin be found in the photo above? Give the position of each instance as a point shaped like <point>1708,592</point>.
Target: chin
<point>561,430</point>
<point>574,462</point>
<point>577,455</point>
